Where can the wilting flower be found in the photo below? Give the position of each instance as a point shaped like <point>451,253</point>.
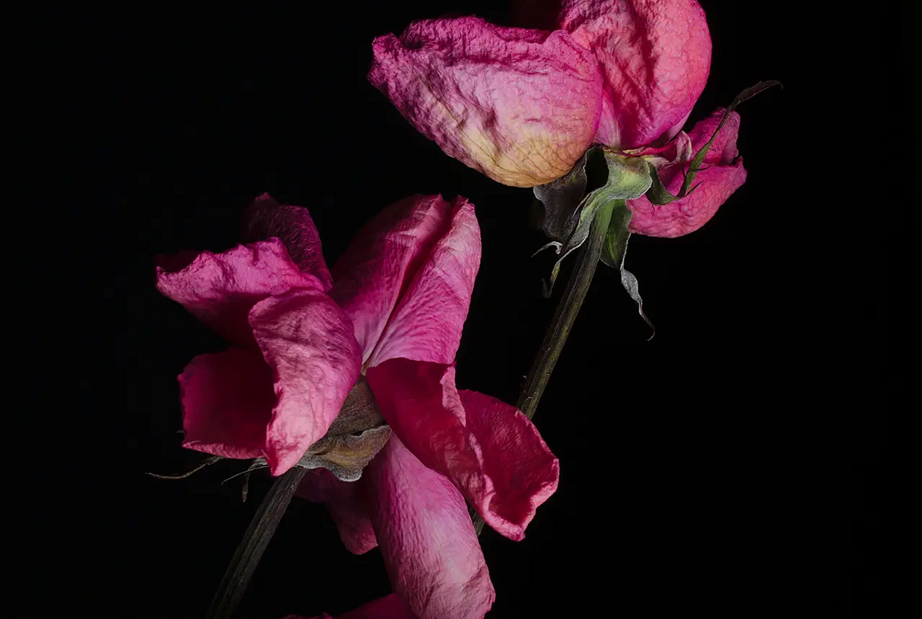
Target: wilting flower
<point>392,311</point>
<point>523,105</point>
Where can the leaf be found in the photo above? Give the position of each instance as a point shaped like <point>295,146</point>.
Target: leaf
<point>658,194</point>
<point>614,251</point>
<point>616,237</point>
<point>562,200</point>
<point>628,178</point>
<point>354,438</point>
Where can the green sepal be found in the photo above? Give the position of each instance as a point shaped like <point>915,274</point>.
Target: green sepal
<point>614,251</point>
<point>628,178</point>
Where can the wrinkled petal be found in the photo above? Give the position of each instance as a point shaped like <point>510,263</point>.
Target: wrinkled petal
<point>427,539</point>
<point>691,212</point>
<point>723,150</point>
<point>489,450</point>
<point>347,506</point>
<point>387,607</point>
<point>519,105</point>
<point>384,259</point>
<point>426,325</point>
<point>220,289</point>
<point>227,401</point>
<point>655,56</point>
<point>265,218</point>
<point>307,341</point>
<point>721,175</point>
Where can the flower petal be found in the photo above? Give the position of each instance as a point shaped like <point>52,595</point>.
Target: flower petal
<point>388,607</point>
<point>227,401</point>
<point>426,325</point>
<point>220,289</point>
<point>308,342</point>
<point>519,105</point>
<point>382,260</point>
<point>265,218</point>
<point>686,215</point>
<point>427,539</point>
<point>722,174</point>
<point>489,449</point>
<point>723,150</point>
<point>346,504</point>
<point>655,56</point>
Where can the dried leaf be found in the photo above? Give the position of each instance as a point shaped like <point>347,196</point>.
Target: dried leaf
<point>354,438</point>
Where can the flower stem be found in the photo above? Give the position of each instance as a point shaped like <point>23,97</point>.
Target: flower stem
<point>564,316</point>
<point>254,543</point>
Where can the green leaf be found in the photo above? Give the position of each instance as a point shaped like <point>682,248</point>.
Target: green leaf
<point>614,251</point>
<point>616,238</point>
<point>658,194</point>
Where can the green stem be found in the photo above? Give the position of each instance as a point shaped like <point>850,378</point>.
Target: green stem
<point>251,548</point>
<point>564,316</point>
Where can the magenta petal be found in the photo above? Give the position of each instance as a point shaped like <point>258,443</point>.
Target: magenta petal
<point>347,506</point>
<point>388,607</point>
<point>220,289</point>
<point>489,450</point>
<point>723,150</point>
<point>691,212</point>
<point>722,174</point>
<point>426,325</point>
<point>427,539</point>
<point>308,342</point>
<point>265,218</point>
<point>383,259</point>
<point>655,56</point>
<point>227,401</point>
<point>519,105</point>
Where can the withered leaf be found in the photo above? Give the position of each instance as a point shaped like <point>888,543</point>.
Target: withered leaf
<point>354,438</point>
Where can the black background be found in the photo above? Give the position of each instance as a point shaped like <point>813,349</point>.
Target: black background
<point>736,465</point>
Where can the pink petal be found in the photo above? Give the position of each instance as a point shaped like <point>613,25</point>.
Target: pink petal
<point>265,218</point>
<point>227,401</point>
<point>308,342</point>
<point>489,449</point>
<point>519,105</point>
<point>388,607</point>
<point>426,325</point>
<point>427,539</point>
<point>723,150</point>
<point>347,506</point>
<point>723,174</point>
<point>220,289</point>
<point>655,56</point>
<point>384,258</point>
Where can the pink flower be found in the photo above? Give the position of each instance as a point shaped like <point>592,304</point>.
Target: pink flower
<point>393,310</point>
<point>523,105</point>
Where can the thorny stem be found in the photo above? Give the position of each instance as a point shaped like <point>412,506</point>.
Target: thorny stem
<point>271,510</point>
<point>263,525</point>
<point>562,322</point>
